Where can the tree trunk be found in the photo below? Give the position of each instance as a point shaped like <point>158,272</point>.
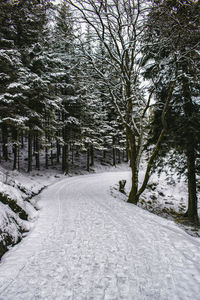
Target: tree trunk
<point>114,152</point>
<point>133,196</point>
<point>46,158</point>
<point>58,152</point>
<point>34,143</point>
<point>114,156</point>
<point>18,158</point>
<point>15,156</point>
<point>37,153</point>
<point>88,159</point>
<point>104,154</point>
<point>30,151</point>
<point>72,151</point>
<point>65,159</point>
<point>51,155</point>
<point>5,141</point>
<point>22,140</point>
<point>91,155</point>
<point>119,156</point>
<point>192,211</point>
<point>188,107</point>
<point>15,147</point>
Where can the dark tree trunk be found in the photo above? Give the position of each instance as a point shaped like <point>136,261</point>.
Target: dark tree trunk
<point>5,141</point>
<point>15,156</point>
<point>51,154</point>
<point>18,158</point>
<point>114,156</point>
<point>119,156</point>
<point>91,155</point>
<point>34,143</point>
<point>46,158</point>
<point>15,147</point>
<point>37,153</point>
<point>126,160</point>
<point>188,107</point>
<point>22,140</point>
<point>123,155</point>
<point>88,159</point>
<point>72,151</point>
<point>58,152</point>
<point>65,159</point>
<point>192,211</point>
<point>114,152</point>
<point>30,151</point>
<point>132,153</point>
<point>104,154</point>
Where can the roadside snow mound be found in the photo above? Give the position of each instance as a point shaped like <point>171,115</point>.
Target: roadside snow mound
<point>18,210</point>
<point>16,213</point>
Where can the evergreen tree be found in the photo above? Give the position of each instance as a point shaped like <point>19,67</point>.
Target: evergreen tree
<point>175,32</point>
<point>66,86</point>
<point>11,88</point>
<point>30,20</point>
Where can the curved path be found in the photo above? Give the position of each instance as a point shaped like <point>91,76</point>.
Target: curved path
<point>88,245</point>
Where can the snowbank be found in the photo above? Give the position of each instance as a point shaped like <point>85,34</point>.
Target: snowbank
<point>18,210</point>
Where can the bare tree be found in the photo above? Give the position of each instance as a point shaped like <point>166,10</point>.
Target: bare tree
<point>118,25</point>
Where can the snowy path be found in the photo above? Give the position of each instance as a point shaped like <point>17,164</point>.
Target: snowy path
<point>87,245</point>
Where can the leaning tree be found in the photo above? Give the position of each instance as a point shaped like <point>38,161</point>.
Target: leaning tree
<point>118,25</point>
<point>173,31</point>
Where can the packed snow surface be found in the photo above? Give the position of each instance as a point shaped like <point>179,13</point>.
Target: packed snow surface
<point>88,245</point>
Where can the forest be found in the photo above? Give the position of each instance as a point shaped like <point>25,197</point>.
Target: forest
<point>118,77</point>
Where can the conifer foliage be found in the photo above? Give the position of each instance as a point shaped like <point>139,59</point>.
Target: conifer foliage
<point>47,105</point>
<point>173,35</point>
<point>67,88</point>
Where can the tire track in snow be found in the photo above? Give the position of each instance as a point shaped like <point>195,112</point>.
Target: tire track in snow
<point>101,248</point>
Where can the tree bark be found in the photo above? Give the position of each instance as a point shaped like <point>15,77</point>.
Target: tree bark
<point>88,159</point>
<point>58,152</point>
<point>91,155</point>
<point>5,141</point>
<point>132,153</point>
<point>72,152</point>
<point>51,155</point>
<point>65,159</point>
<point>15,147</point>
<point>188,108</point>
<point>18,158</point>
<point>114,156</point>
<point>37,155</point>
<point>15,156</point>
<point>119,156</point>
<point>22,140</point>
<point>46,158</point>
<point>30,151</point>
<point>104,154</point>
<point>192,212</point>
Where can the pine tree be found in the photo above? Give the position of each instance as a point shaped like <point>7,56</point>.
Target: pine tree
<point>29,21</point>
<point>11,89</point>
<point>64,77</point>
<point>174,30</point>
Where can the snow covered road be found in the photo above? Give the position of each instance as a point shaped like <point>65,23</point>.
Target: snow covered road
<point>87,245</point>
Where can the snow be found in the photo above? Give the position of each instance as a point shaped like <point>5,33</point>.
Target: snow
<point>88,245</point>
<point>19,187</point>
